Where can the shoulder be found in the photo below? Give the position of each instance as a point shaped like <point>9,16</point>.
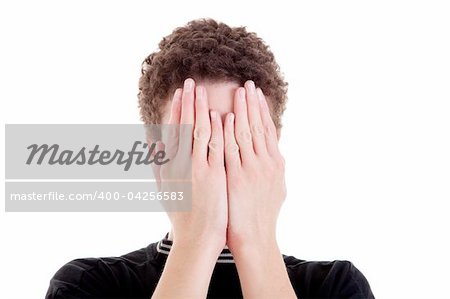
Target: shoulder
<point>99,277</point>
<point>327,279</point>
<point>73,278</point>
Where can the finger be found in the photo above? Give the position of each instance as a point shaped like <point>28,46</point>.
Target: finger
<point>152,151</point>
<point>232,158</point>
<point>270,130</point>
<point>242,130</point>
<point>186,119</point>
<point>175,108</point>
<point>202,128</point>
<point>170,132</point>
<point>254,118</point>
<point>187,108</point>
<point>159,146</point>
<point>215,146</point>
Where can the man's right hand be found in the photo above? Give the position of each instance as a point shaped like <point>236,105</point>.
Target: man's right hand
<point>207,221</point>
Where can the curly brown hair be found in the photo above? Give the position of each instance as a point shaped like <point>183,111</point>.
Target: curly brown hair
<point>205,49</point>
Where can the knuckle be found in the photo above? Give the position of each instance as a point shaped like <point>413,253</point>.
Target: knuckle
<point>244,136</point>
<point>232,148</point>
<point>268,131</point>
<point>214,145</point>
<point>257,130</point>
<point>201,133</point>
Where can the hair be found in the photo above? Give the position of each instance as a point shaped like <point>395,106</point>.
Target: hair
<point>205,49</point>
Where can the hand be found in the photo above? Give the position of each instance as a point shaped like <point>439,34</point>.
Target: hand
<point>206,222</point>
<point>256,191</point>
<point>199,235</point>
<point>255,169</point>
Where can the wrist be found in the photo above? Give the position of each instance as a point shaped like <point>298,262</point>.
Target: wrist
<point>253,254</point>
<point>247,240</point>
<point>206,245</point>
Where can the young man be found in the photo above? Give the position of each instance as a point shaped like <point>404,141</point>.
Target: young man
<point>226,83</point>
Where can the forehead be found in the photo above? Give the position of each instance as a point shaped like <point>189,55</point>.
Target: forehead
<point>216,87</point>
<point>220,96</point>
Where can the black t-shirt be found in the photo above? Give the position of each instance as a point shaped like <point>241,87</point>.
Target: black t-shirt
<point>136,274</point>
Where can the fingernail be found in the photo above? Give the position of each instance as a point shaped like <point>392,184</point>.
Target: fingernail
<point>251,87</point>
<point>177,96</point>
<point>260,94</point>
<point>188,84</point>
<point>242,93</point>
<point>199,93</point>
<point>231,118</point>
<point>213,115</point>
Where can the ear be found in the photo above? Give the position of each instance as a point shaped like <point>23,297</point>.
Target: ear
<point>278,133</point>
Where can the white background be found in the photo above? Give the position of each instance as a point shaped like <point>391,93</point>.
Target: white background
<point>366,132</point>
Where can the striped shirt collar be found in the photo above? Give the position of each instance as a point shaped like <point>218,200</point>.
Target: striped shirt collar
<point>164,246</point>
